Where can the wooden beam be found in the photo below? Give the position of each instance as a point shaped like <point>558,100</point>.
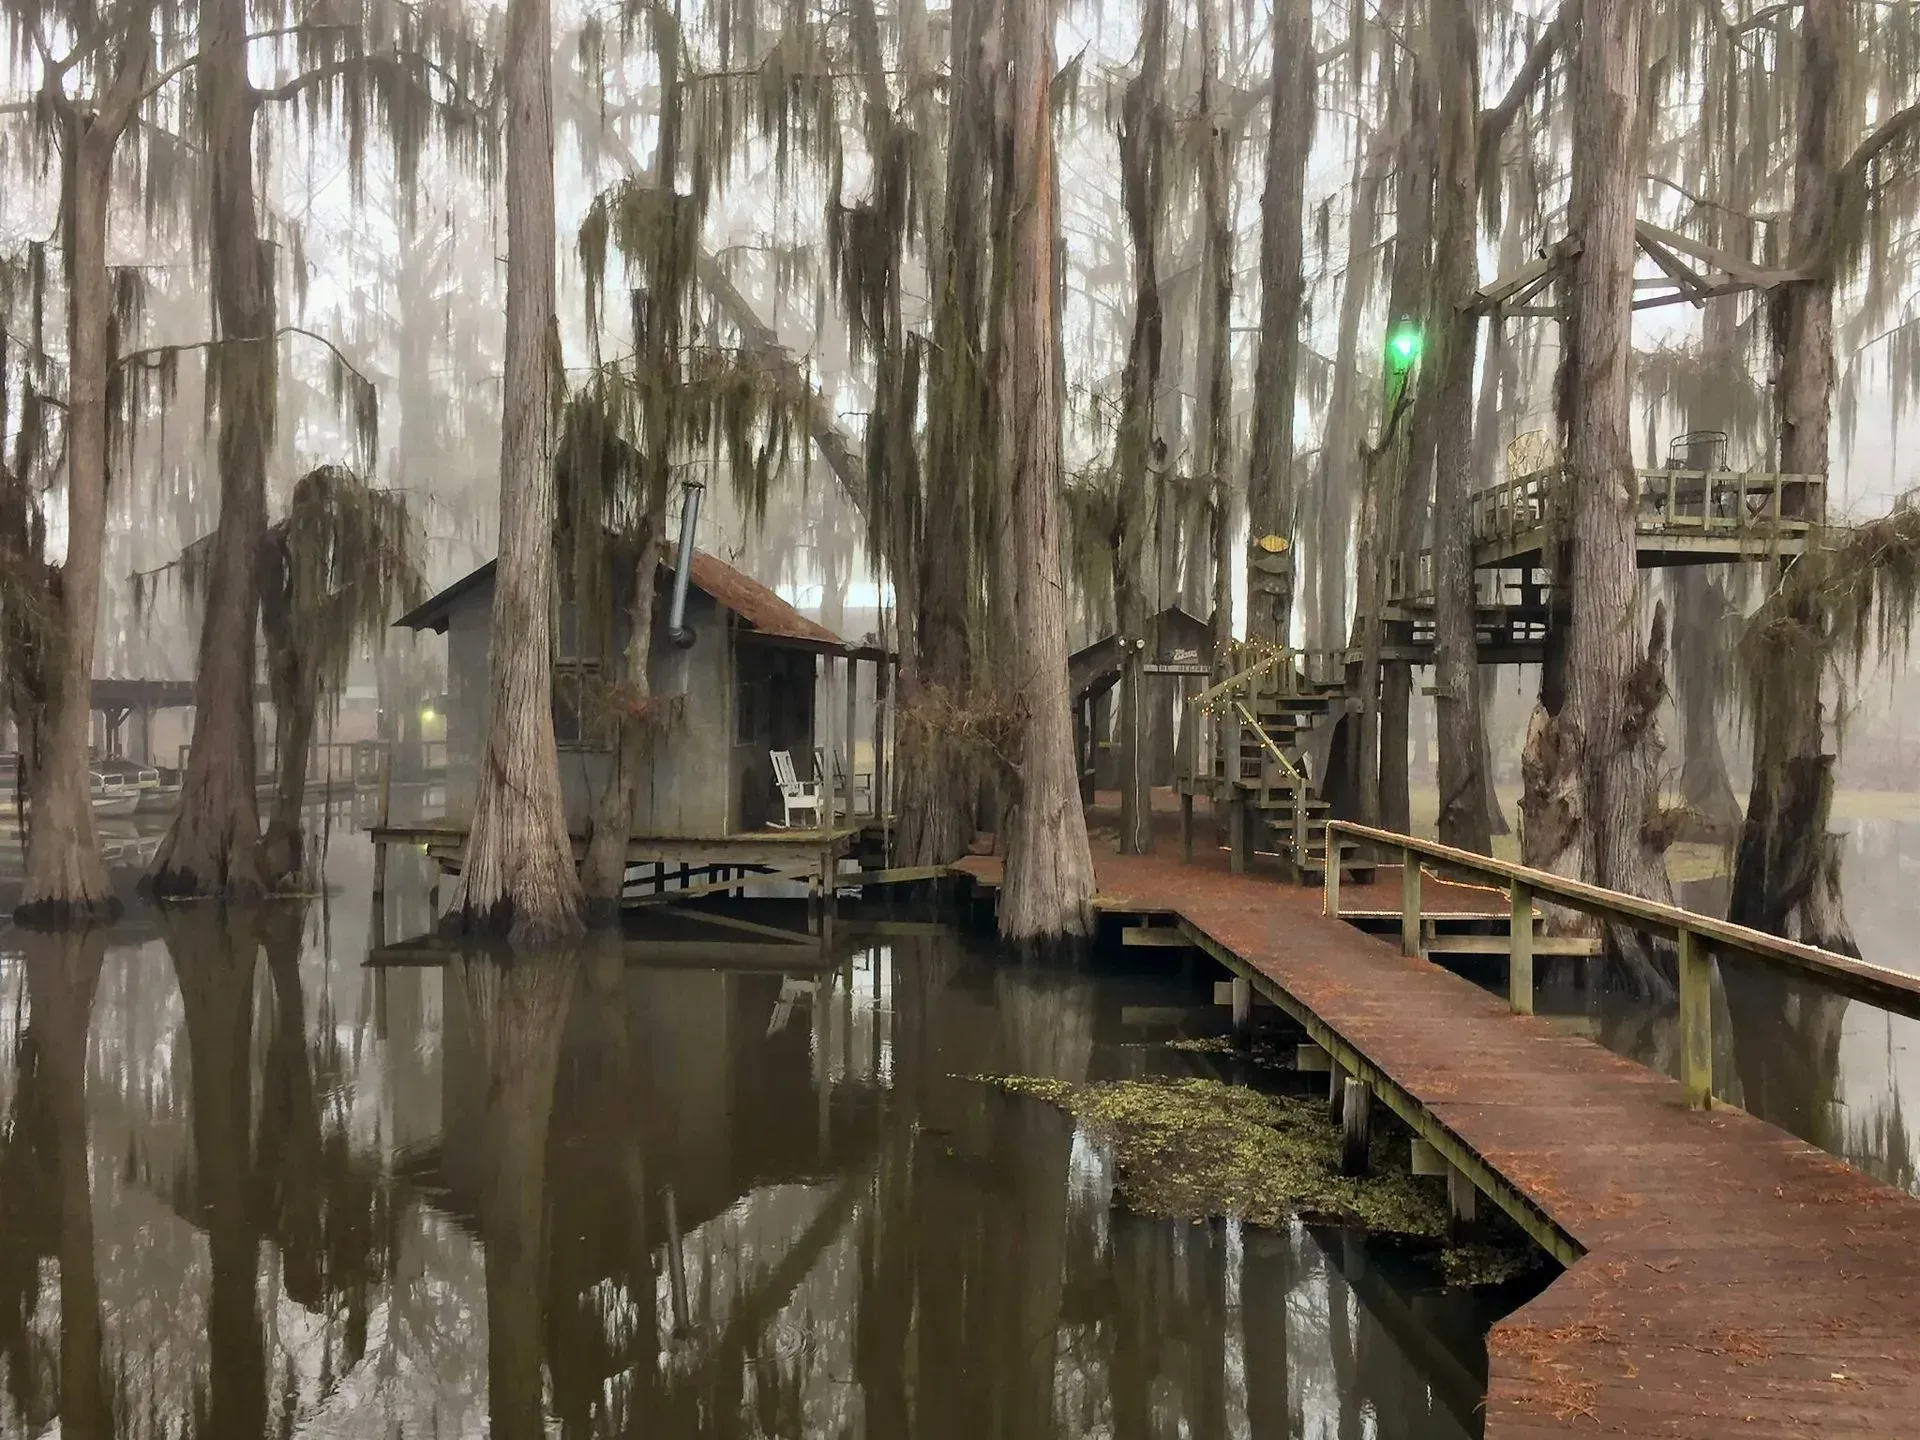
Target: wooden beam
<point>734,922</point>
<point>1738,267</point>
<point>1155,937</point>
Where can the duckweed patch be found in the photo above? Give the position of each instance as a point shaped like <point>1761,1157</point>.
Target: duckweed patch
<point>1195,1147</point>
<point>1204,1044</point>
<point>1188,1148</point>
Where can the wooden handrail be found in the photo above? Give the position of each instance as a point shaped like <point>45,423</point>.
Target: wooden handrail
<point>1876,985</point>
<point>1248,719</point>
<point>1235,681</point>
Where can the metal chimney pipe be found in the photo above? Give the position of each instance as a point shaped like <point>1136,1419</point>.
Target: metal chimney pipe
<point>677,630</point>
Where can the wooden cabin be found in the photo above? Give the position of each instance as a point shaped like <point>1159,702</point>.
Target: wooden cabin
<point>745,685</point>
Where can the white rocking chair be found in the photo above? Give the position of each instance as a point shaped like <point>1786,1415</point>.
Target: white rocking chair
<point>796,795</point>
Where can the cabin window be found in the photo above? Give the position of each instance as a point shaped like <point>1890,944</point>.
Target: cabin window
<point>573,681</point>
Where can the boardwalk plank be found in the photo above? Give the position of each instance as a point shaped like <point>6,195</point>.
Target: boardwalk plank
<point>1735,1280</point>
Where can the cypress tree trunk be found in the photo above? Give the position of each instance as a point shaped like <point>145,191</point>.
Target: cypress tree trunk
<point>1049,877</point>
<point>1592,780</point>
<point>1699,674</point>
<point>64,879</point>
<point>1463,819</point>
<point>1400,473</point>
<point>603,872</point>
<point>212,847</point>
<point>1143,190</point>
<point>1786,875</point>
<point>294,683</point>
<point>517,876</point>
<point>1340,450</point>
<point>1215,344</point>
<point>936,782</point>
<point>1270,536</point>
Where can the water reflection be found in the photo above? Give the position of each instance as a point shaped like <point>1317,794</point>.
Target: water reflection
<point>248,1186</point>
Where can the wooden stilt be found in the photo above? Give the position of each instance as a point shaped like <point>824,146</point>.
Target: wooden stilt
<point>1242,1012</point>
<point>1463,1200</point>
<point>1240,835</point>
<point>1356,1128</point>
<point>1336,1089</point>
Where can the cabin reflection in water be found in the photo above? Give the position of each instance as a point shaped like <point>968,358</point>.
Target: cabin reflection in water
<point>435,1201</point>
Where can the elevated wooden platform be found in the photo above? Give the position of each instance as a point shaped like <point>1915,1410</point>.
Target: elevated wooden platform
<point>797,850</point>
<point>1725,1279</point>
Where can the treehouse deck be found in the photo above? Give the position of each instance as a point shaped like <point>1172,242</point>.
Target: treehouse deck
<point>1275,725</point>
<point>1723,1278</point>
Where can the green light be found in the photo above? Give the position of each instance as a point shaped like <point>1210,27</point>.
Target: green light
<point>1403,346</point>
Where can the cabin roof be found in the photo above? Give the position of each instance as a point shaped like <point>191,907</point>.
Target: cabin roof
<point>766,614</point>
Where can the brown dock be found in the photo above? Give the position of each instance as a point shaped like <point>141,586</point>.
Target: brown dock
<point>1724,1278</point>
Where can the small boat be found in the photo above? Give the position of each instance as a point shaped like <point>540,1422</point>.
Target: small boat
<point>111,796</point>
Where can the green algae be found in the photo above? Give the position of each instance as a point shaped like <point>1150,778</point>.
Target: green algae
<point>1191,1148</point>
<point>1203,1045</point>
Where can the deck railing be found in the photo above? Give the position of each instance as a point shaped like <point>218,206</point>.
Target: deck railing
<point>1729,504</point>
<point>1695,937</point>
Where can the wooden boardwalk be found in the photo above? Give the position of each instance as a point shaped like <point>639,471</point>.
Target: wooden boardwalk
<point>1726,1278</point>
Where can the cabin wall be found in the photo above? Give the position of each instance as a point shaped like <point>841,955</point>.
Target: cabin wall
<point>687,789</point>
<point>468,625</point>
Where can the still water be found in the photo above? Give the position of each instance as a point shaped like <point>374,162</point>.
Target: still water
<point>249,1185</point>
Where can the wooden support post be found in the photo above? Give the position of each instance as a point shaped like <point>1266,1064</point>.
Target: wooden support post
<point>1333,876</point>
<point>1336,1089</point>
<point>829,895</point>
<point>1409,903</point>
<point>1520,948</point>
<point>1239,834</point>
<point>677,1270</point>
<point>386,816</point>
<point>853,691</point>
<point>1463,1200</point>
<point>1186,826</point>
<point>1242,1012</point>
<point>1356,1127</point>
<point>1696,1021</point>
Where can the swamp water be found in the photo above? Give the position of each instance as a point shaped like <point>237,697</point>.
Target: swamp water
<point>251,1184</point>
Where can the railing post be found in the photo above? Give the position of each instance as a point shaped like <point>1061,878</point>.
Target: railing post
<point>1696,1021</point>
<point>1333,874</point>
<point>1409,903</point>
<point>1520,948</point>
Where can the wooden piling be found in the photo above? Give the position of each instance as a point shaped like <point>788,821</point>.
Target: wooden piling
<point>1520,948</point>
<point>1242,1012</point>
<point>1356,1127</point>
<point>1696,1021</point>
<point>1240,835</point>
<point>1463,1200</point>
<point>1409,903</point>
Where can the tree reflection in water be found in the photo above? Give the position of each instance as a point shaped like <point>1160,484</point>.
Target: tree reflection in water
<point>476,1161</point>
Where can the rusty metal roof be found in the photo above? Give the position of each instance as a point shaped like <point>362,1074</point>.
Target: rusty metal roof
<point>766,614</point>
<point>771,617</point>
